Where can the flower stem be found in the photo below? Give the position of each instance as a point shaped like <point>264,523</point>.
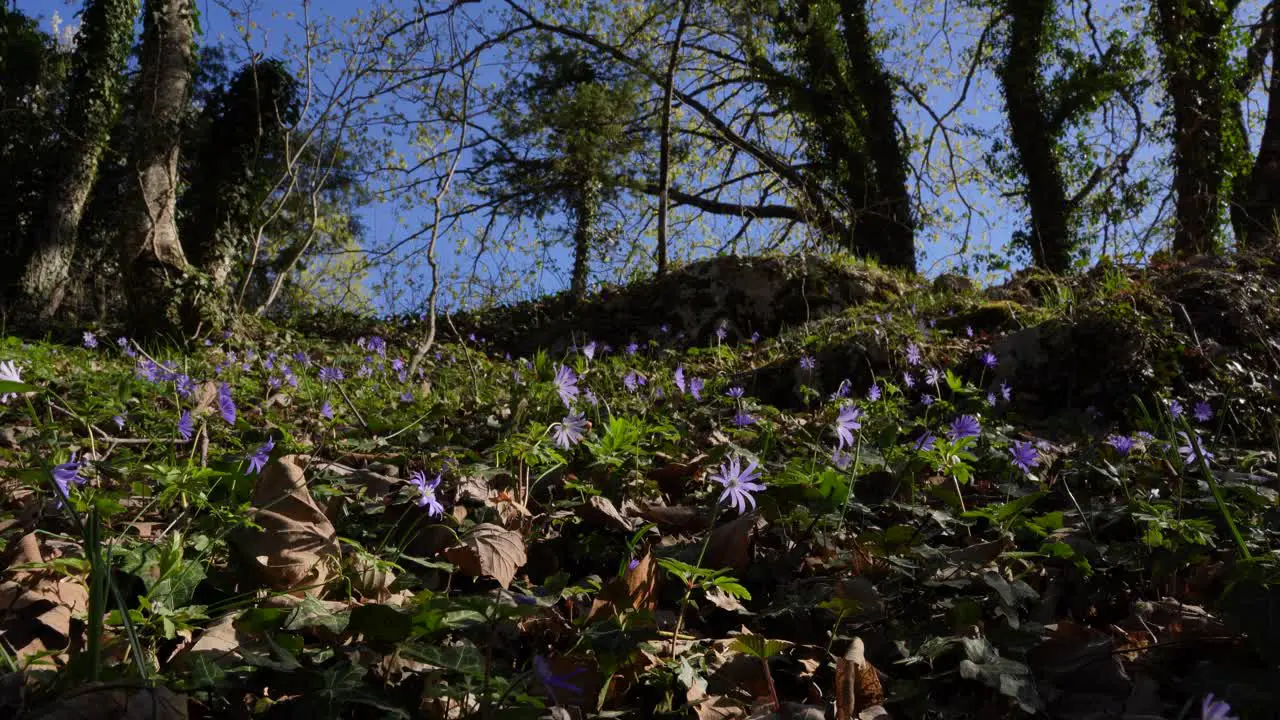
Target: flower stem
<point>689,584</point>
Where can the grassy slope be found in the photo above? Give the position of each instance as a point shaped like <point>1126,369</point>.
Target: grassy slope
<point>977,588</point>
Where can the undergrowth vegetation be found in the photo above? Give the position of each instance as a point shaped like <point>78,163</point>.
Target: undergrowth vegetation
<point>297,527</point>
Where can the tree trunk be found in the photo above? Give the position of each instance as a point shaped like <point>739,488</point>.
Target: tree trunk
<point>893,241</point>
<point>93,103</point>
<point>1193,53</point>
<point>150,254</point>
<point>1261,216</point>
<point>664,156</point>
<point>584,225</point>
<point>1032,136</point>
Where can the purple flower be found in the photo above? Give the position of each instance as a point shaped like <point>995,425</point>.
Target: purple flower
<point>1202,412</point>
<point>695,388</point>
<point>968,330</point>
<point>66,475</point>
<point>965,426</point>
<point>259,458</point>
<point>123,342</point>
<point>406,396</point>
<point>807,362</point>
<point>226,405</point>
<point>90,340</point>
<point>119,421</point>
<point>842,390</point>
<point>679,377</point>
<point>590,397</point>
<point>933,376</point>
<point>553,682</point>
<point>734,392</point>
<point>427,493</point>
<point>331,374</point>
<point>1122,443</point>
<point>913,354</point>
<point>326,410</point>
<point>991,399</point>
<point>185,426</point>
<point>635,562</point>
<point>1005,390</point>
<point>873,392</point>
<point>590,350</point>
<point>742,418</point>
<point>721,333</point>
<point>849,419</point>
<point>1175,408</point>
<point>755,338</point>
<point>633,348</point>
<point>926,399</point>
<point>633,380</point>
<point>1025,456</point>
<point>738,483</point>
<point>569,431</point>
<point>566,383</point>
<point>908,380</point>
<point>925,442</point>
<point>840,458</point>
<point>1188,450</point>
<point>378,345</point>
<point>1213,709</point>
<point>990,360</point>
<point>397,364</point>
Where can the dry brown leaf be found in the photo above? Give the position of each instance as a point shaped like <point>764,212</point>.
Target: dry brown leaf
<point>490,550</point>
<point>203,397</point>
<point>91,703</point>
<point>220,644</point>
<point>730,544</point>
<point>718,707</point>
<point>674,517</point>
<point>674,476</point>
<point>472,487</point>
<point>725,601</point>
<point>293,549</point>
<point>637,588</point>
<point>600,511</point>
<point>857,683</point>
<point>36,607</point>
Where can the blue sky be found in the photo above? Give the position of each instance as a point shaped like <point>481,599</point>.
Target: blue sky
<point>924,49</point>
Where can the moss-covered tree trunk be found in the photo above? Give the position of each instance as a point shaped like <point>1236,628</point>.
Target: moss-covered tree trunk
<point>93,103</point>
<point>150,254</point>
<point>1194,56</point>
<point>586,209</point>
<point>1260,219</point>
<point>1032,134</point>
<point>890,232</point>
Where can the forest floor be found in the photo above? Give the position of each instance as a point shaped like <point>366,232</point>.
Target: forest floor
<point>847,495</point>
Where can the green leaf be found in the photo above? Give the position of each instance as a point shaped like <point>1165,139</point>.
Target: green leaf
<point>9,386</point>
<point>464,659</point>
<point>758,646</point>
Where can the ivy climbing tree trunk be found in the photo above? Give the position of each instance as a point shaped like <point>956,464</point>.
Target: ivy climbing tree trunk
<point>664,152</point>
<point>1033,135</point>
<point>150,255</point>
<point>93,105</point>
<point>586,208</point>
<point>1194,50</point>
<point>888,230</point>
<point>1261,216</point>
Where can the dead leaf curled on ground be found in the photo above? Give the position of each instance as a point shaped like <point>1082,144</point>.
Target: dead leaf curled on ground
<point>637,588</point>
<point>600,511</point>
<point>36,606</point>
<point>297,542</point>
<point>114,703</point>
<point>858,688</point>
<point>490,550</point>
<point>730,544</point>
